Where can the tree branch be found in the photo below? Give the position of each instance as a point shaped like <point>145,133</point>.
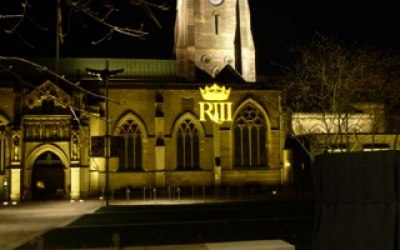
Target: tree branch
<point>23,81</point>
<point>41,68</point>
<point>21,17</point>
<point>77,6</point>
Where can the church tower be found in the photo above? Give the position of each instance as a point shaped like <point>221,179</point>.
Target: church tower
<point>211,34</point>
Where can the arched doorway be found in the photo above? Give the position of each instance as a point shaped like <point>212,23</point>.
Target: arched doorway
<point>47,177</point>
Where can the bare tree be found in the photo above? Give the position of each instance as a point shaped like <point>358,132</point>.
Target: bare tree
<point>102,13</point>
<point>337,95</point>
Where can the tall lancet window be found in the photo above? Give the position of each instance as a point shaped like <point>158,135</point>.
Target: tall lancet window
<point>2,149</point>
<point>128,146</point>
<point>250,129</point>
<point>188,149</point>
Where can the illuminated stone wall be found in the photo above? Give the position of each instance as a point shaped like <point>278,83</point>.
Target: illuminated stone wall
<point>157,113</point>
<point>210,37</point>
<point>178,105</point>
<point>7,102</point>
<point>358,131</point>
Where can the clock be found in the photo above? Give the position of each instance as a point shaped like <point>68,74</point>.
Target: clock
<point>216,2</point>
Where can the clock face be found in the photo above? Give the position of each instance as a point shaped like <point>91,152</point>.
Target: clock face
<point>216,2</point>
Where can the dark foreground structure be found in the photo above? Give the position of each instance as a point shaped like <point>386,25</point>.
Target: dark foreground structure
<point>357,198</point>
<point>145,225</point>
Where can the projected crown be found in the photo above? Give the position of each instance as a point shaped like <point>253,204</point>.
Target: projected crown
<point>215,93</point>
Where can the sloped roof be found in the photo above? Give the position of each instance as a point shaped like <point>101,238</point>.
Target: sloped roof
<point>76,67</point>
<point>227,75</point>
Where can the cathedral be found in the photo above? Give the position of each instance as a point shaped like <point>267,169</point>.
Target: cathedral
<point>202,119</point>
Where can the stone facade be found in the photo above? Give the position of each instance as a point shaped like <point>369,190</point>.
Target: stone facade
<point>54,135</point>
<point>158,117</point>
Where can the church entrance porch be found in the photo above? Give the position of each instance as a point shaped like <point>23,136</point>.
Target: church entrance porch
<point>47,180</point>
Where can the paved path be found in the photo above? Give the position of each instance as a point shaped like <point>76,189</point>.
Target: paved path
<point>26,221</point>
<point>236,245</point>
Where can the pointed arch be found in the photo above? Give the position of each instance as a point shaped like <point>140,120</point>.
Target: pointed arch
<point>47,95</point>
<point>188,133</point>
<point>256,104</point>
<point>3,120</point>
<point>130,116</point>
<point>127,143</point>
<point>251,135</point>
<point>30,160</point>
<point>3,124</point>
<point>192,118</point>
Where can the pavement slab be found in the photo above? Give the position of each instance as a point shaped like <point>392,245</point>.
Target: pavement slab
<point>26,221</point>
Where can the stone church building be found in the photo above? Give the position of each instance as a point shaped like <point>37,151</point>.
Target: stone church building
<point>199,120</point>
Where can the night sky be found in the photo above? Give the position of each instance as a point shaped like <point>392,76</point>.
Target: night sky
<point>276,24</point>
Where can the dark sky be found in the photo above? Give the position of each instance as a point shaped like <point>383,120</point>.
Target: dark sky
<point>276,24</point>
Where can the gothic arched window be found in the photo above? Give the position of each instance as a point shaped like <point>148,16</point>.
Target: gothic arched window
<point>250,138</point>
<point>188,150</point>
<point>2,149</point>
<point>128,146</point>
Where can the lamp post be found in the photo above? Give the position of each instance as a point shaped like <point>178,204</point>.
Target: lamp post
<point>105,75</point>
<point>6,191</point>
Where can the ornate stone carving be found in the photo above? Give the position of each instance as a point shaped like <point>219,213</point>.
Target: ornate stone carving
<point>45,92</point>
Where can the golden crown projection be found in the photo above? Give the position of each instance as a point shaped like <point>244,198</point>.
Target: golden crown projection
<point>215,93</point>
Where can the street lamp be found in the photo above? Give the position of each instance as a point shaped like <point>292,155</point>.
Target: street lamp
<point>6,191</point>
<point>105,75</point>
